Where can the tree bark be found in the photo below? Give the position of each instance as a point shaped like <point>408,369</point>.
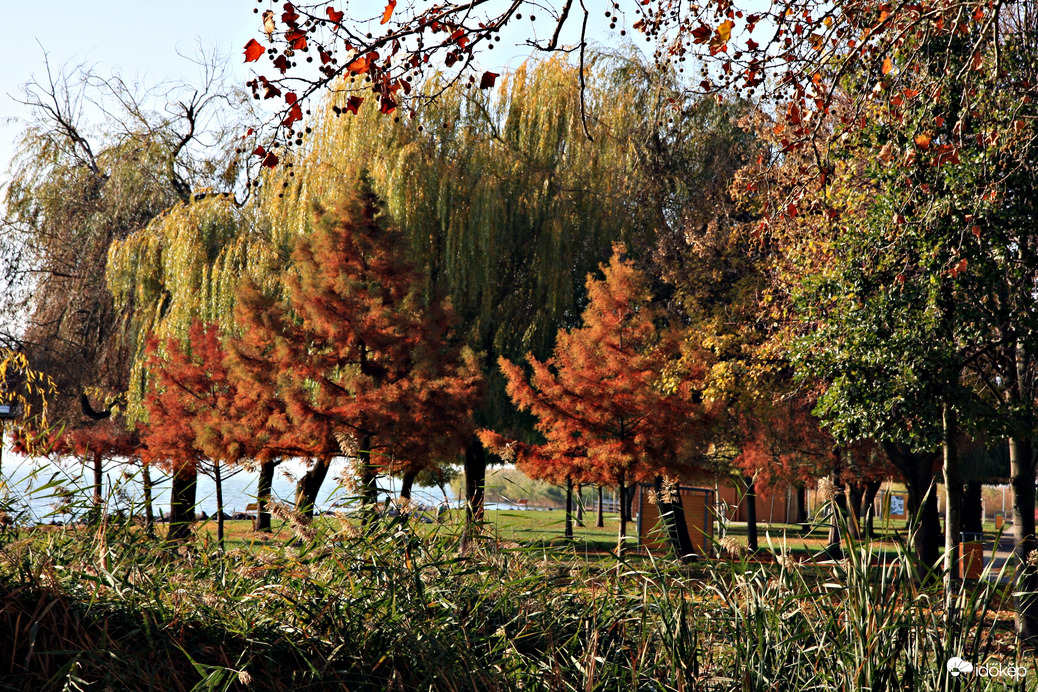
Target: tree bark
<point>580,505</point>
<point>801,504</point>
<point>99,479</point>
<point>752,541</point>
<point>149,510</point>
<point>183,493</point>
<point>569,508</point>
<point>263,492</point>
<point>599,519</point>
<point>218,479</point>
<point>475,480</point>
<point>973,508</point>
<point>621,539</point>
<point>406,483</point>
<point>673,514</point>
<point>310,485</point>
<point>924,523</point>
<point>1022,470</point>
<point>953,496</point>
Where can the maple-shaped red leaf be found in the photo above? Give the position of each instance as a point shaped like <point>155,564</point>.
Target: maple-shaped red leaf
<point>390,6</point>
<point>488,80</point>
<point>259,151</point>
<point>386,106</point>
<point>353,105</point>
<point>296,38</point>
<point>325,56</point>
<point>701,34</point>
<point>253,50</point>
<point>270,160</point>
<point>290,17</point>
<point>335,15</point>
<point>281,62</point>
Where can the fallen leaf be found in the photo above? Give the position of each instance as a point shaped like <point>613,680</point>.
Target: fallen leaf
<point>253,50</point>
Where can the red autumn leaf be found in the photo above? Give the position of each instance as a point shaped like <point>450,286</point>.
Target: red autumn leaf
<point>253,50</point>
<point>357,66</point>
<point>923,140</point>
<point>958,268</point>
<point>947,153</point>
<point>335,16</point>
<point>259,151</point>
<point>291,98</point>
<point>270,160</point>
<point>701,34</point>
<point>281,62</point>
<point>386,106</point>
<point>390,6</point>
<point>296,38</point>
<point>353,105</point>
<point>295,114</point>
<point>289,16</point>
<point>488,80</point>
<point>976,231</point>
<point>325,56</point>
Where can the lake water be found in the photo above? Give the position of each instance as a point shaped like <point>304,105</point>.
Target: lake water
<point>36,488</point>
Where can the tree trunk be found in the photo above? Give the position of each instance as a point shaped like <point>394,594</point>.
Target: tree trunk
<point>801,504</point>
<point>263,492</point>
<point>600,519</point>
<point>98,495</point>
<point>924,521</point>
<point>569,508</point>
<point>1022,470</point>
<point>621,539</point>
<point>673,514</point>
<point>973,508</point>
<point>839,514</point>
<point>149,510</point>
<point>475,480</point>
<point>310,485</point>
<point>580,505</point>
<point>867,507</point>
<point>406,483</point>
<point>628,501</point>
<point>219,503</point>
<point>368,478</point>
<point>183,493</point>
<point>953,497</point>
<point>752,542</point>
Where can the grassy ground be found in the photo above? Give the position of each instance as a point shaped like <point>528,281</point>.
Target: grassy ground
<point>545,529</point>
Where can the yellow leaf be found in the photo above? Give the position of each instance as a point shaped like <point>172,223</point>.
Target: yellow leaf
<point>888,66</point>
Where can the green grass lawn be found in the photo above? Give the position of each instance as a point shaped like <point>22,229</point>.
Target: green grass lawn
<point>544,529</point>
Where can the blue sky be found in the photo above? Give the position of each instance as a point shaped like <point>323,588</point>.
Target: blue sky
<point>140,40</point>
<point>136,39</point>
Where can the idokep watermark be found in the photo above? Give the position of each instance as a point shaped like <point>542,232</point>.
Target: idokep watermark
<point>958,666</point>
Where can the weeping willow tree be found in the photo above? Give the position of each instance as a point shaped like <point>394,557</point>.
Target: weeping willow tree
<point>509,198</point>
<point>505,200</point>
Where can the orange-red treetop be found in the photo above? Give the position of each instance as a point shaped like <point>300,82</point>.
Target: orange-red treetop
<point>194,408</point>
<point>618,401</point>
<point>355,349</point>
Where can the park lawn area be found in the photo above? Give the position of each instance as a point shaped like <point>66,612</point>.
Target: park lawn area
<point>543,529</point>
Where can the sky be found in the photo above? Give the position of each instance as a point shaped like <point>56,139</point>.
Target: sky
<point>141,40</point>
